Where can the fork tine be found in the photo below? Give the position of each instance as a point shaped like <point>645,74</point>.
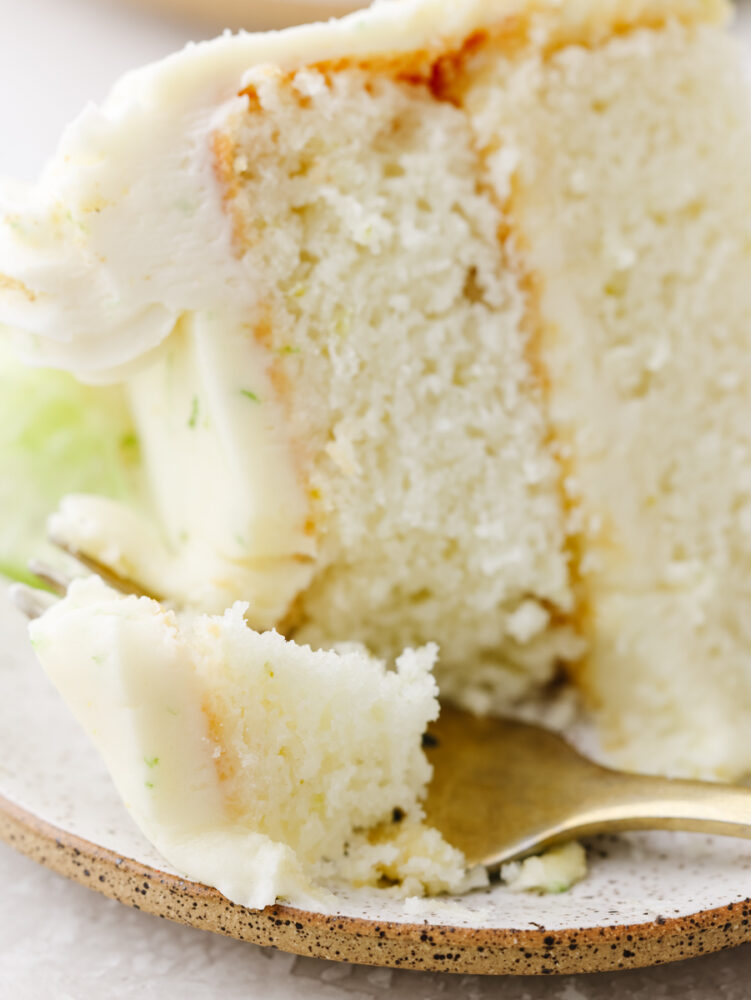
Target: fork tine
<point>56,579</point>
<point>108,575</point>
<point>29,600</point>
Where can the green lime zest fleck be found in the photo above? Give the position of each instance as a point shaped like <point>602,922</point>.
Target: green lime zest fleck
<point>98,657</point>
<point>149,784</point>
<point>151,761</point>
<point>78,223</point>
<point>186,206</point>
<point>193,418</point>
<point>342,320</point>
<point>288,349</point>
<point>250,395</point>
<point>129,440</point>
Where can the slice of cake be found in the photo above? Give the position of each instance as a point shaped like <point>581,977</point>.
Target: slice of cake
<point>435,324</point>
<point>254,764</point>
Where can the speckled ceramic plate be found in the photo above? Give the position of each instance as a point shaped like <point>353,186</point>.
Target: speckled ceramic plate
<point>650,898</point>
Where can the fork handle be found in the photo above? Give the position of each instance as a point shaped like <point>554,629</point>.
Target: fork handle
<point>631,802</point>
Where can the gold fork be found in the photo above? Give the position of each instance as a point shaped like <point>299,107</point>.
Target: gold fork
<point>504,789</point>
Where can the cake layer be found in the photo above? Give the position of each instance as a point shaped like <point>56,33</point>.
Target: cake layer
<point>631,205</point>
<point>395,321</point>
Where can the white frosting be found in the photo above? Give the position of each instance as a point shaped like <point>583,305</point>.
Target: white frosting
<point>231,509</point>
<point>227,493</point>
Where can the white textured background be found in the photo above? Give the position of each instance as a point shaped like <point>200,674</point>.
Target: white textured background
<point>60,941</point>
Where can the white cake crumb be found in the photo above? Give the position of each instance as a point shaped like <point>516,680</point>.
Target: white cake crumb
<point>554,871</point>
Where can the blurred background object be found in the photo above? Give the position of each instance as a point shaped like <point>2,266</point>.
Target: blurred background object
<point>219,14</point>
<point>56,55</point>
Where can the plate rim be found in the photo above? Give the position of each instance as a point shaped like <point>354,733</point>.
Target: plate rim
<point>423,946</point>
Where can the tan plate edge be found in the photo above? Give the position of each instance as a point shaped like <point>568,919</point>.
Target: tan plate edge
<point>252,15</point>
<point>425,946</point>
